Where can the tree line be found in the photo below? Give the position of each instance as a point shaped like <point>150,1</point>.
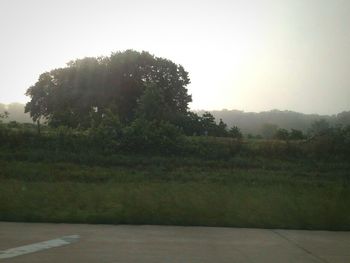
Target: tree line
<point>130,85</point>
<point>136,87</point>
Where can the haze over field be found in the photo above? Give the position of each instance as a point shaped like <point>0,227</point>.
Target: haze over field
<point>247,55</point>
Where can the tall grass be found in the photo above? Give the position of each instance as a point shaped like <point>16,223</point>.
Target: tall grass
<point>238,205</point>
<point>287,195</point>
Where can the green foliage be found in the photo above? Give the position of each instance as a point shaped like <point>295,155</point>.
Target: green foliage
<point>319,127</point>
<point>108,133</point>
<point>282,134</point>
<point>152,136</point>
<point>109,136</point>
<point>296,135</point>
<point>208,124</point>
<point>235,132</point>
<point>15,137</point>
<point>190,123</point>
<point>14,124</point>
<point>152,105</point>
<point>329,141</point>
<point>221,129</point>
<point>240,192</point>
<point>70,96</point>
<point>194,125</point>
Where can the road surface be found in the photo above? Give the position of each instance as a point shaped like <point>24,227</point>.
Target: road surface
<point>36,242</point>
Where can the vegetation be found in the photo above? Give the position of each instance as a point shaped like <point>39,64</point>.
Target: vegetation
<point>250,124</point>
<point>123,83</point>
<point>48,186</point>
<point>119,145</point>
<point>103,176</point>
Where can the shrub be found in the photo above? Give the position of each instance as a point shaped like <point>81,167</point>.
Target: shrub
<point>235,132</point>
<point>108,134</point>
<point>152,136</point>
<point>333,141</point>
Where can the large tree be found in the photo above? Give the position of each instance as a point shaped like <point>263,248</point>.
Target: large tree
<point>87,88</point>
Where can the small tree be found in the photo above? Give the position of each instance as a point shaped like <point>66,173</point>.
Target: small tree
<point>222,129</point>
<point>208,124</point>
<point>235,132</point>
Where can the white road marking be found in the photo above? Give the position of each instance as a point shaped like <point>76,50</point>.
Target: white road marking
<point>18,251</point>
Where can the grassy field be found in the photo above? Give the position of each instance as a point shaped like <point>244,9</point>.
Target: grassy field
<point>41,186</point>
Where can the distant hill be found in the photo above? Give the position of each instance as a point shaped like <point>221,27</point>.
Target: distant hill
<point>251,122</point>
<point>248,122</point>
<point>16,112</point>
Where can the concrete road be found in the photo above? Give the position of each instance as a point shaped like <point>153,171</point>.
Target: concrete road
<point>168,244</point>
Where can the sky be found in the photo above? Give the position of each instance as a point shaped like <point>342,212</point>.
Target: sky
<point>240,54</point>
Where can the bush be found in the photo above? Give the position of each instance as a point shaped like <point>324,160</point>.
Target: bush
<point>235,132</point>
<point>161,137</point>
<point>334,141</point>
<point>152,136</point>
<point>108,134</point>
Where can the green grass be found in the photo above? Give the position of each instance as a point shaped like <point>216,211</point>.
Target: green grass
<point>40,186</point>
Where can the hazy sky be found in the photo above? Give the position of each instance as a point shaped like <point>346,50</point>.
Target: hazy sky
<point>247,55</point>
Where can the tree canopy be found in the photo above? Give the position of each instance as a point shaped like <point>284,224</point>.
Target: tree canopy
<point>124,83</point>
